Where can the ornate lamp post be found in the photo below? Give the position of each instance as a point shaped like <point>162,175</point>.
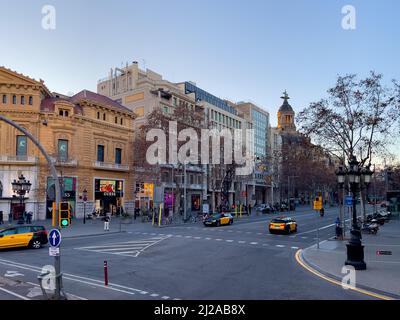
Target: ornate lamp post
<point>355,249</point>
<point>21,188</point>
<point>341,178</point>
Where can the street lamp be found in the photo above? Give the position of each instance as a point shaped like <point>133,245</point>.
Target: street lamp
<point>84,196</point>
<point>355,249</point>
<point>21,187</point>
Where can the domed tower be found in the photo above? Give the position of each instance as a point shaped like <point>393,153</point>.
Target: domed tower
<point>286,115</point>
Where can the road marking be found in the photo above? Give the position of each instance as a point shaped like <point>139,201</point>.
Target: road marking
<point>14,294</point>
<point>253,242</point>
<point>280,245</point>
<point>218,239</point>
<point>165,297</point>
<point>12,274</point>
<point>72,277</point>
<point>197,238</point>
<point>318,274</point>
<point>295,248</point>
<point>229,240</point>
<point>129,248</point>
<point>242,241</point>
<point>208,238</point>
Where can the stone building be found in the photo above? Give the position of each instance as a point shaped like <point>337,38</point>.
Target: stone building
<point>88,136</point>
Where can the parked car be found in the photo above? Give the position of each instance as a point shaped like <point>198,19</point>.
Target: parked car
<point>23,236</point>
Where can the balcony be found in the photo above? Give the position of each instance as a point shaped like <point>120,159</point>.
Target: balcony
<point>64,162</point>
<point>19,160</point>
<point>110,166</point>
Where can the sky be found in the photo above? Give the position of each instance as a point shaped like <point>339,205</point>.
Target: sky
<point>240,50</point>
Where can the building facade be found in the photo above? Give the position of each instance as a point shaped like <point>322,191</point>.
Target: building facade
<point>88,136</point>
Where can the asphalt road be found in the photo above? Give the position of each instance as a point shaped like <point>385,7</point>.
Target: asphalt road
<point>238,262</point>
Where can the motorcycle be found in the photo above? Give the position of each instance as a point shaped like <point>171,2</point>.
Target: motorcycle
<point>371,228</point>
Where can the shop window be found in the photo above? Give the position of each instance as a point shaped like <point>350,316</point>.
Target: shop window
<point>21,146</point>
<point>100,153</point>
<point>118,155</point>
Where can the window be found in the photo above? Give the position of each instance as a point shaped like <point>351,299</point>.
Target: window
<point>122,121</point>
<point>63,149</point>
<point>104,116</point>
<point>4,99</point>
<point>116,119</point>
<point>118,155</point>
<point>21,146</point>
<point>30,102</point>
<point>14,99</point>
<point>100,153</point>
<point>9,232</point>
<point>22,100</point>
<point>63,113</point>
<point>175,100</point>
<point>98,115</point>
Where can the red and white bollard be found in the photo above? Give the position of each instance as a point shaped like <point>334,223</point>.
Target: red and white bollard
<point>105,273</point>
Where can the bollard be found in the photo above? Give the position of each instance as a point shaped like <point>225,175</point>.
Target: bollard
<point>105,273</point>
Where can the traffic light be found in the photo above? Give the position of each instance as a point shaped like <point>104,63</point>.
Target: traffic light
<point>64,214</point>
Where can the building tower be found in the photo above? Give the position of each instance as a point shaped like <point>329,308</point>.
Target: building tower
<point>286,115</point>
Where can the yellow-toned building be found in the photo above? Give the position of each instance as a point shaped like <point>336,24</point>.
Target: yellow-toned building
<point>88,136</point>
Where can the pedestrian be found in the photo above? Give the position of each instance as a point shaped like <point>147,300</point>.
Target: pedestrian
<point>338,229</point>
<point>29,217</point>
<point>106,220</point>
<point>249,210</point>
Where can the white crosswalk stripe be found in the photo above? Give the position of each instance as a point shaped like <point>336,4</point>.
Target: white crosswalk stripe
<point>129,248</point>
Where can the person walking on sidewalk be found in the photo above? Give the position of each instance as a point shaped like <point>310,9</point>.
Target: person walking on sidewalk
<point>106,220</point>
<point>338,229</point>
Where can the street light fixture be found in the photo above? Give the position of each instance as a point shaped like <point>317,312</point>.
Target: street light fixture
<point>21,188</point>
<point>355,249</point>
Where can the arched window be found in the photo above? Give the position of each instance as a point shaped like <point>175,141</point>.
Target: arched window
<point>30,100</point>
<point>14,99</point>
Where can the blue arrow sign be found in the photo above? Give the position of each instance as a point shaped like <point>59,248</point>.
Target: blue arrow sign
<point>55,238</point>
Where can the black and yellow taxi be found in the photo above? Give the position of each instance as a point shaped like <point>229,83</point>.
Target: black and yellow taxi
<point>23,236</point>
<point>219,219</point>
<point>284,224</point>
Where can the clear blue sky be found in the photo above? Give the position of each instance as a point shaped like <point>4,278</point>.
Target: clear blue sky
<point>236,49</point>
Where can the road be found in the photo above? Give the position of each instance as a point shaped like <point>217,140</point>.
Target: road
<point>237,262</point>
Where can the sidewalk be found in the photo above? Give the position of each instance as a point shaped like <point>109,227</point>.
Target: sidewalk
<point>78,228</point>
<point>383,271</point>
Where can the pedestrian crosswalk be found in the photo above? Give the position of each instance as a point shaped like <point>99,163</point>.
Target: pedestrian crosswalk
<point>129,248</point>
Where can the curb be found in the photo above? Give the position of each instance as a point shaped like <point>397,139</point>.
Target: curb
<point>372,292</point>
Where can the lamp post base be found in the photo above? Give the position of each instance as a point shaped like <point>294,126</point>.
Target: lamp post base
<point>355,256</point>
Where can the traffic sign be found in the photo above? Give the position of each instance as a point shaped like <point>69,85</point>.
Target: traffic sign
<point>54,251</point>
<point>348,201</point>
<point>55,238</point>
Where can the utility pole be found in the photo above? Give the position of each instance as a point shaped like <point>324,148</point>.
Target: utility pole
<point>57,263</point>
<point>184,192</point>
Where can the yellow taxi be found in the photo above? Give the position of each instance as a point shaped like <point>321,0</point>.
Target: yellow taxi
<point>23,236</point>
<point>219,219</point>
<point>286,225</point>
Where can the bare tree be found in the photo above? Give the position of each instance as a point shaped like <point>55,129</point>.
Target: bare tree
<point>358,116</point>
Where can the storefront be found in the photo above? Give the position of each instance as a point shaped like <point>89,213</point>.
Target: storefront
<point>108,195</point>
<point>144,195</point>
<point>68,190</point>
<point>196,202</point>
